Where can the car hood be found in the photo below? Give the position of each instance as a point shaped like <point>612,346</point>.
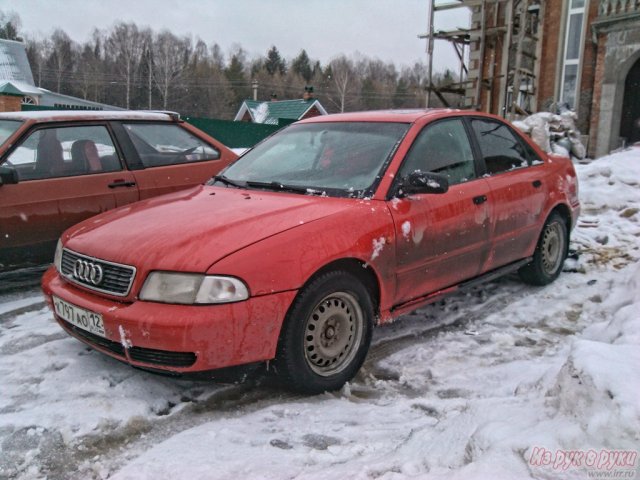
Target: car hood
<point>192,229</point>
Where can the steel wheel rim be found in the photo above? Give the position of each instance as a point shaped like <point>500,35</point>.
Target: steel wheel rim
<point>552,247</point>
<point>332,333</point>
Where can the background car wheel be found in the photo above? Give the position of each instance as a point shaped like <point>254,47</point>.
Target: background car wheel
<point>326,335</point>
<point>550,253</point>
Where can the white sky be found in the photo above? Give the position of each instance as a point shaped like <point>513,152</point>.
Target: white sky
<point>385,29</point>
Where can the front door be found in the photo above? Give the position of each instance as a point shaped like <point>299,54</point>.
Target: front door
<point>65,174</point>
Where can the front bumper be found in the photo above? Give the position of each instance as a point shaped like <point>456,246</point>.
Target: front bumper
<point>177,338</point>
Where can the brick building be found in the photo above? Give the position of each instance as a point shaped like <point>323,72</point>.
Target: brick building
<point>591,61</point>
<point>583,53</point>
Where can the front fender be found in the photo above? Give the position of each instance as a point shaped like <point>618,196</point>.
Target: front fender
<point>287,260</point>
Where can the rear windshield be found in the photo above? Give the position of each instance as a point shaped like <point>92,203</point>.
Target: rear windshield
<point>7,127</point>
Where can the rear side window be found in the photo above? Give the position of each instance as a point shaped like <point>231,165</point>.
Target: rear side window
<point>501,149</point>
<point>7,127</point>
<point>168,144</point>
<point>443,148</point>
<point>65,152</point>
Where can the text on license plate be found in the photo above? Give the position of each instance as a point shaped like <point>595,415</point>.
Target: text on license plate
<point>81,318</point>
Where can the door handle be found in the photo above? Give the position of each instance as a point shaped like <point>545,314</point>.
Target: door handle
<point>480,199</point>
<point>536,183</point>
<point>121,183</point>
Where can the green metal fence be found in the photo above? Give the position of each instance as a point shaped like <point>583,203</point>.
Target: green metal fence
<point>236,134</point>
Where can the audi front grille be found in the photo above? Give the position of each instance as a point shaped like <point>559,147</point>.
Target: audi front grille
<point>96,274</point>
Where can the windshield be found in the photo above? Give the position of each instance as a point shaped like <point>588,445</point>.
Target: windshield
<point>339,159</point>
<point>7,127</point>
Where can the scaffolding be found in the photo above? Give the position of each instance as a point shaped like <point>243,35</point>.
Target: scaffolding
<point>497,55</point>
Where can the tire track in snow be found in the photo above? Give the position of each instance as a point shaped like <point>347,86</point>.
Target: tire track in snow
<point>113,448</point>
<point>122,444</point>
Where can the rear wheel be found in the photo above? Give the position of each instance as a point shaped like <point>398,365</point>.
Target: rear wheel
<point>326,335</point>
<point>550,253</point>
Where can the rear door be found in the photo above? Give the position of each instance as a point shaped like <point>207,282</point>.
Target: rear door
<point>66,173</point>
<point>515,175</point>
<point>167,156</point>
<point>441,239</point>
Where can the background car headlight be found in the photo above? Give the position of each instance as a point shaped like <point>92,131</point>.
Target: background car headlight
<point>57,257</point>
<point>189,288</point>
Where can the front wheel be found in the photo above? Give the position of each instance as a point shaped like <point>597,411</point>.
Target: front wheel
<point>326,335</point>
<point>550,253</point>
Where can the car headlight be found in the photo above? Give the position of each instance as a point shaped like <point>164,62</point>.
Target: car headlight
<point>190,288</point>
<point>57,257</point>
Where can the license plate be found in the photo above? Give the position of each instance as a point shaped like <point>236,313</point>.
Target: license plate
<point>81,318</point>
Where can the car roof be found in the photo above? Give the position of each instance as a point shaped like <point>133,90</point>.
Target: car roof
<point>401,116</point>
<point>66,115</point>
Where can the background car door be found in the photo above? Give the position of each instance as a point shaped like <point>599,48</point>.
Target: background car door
<point>65,174</point>
<point>169,157</point>
<point>442,239</point>
<point>517,190</point>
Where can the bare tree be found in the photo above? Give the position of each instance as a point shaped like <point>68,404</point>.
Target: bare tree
<point>170,59</point>
<point>343,76</point>
<point>60,61</point>
<point>126,45</point>
<point>38,51</point>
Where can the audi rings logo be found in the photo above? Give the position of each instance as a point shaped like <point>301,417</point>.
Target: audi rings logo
<point>87,272</point>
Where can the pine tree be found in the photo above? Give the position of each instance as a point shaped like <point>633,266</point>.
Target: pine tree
<point>275,63</point>
<point>302,66</point>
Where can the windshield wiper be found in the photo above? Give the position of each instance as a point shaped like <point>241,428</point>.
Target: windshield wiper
<point>228,181</point>
<point>277,186</point>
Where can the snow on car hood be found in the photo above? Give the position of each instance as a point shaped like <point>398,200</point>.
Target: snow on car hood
<point>192,229</point>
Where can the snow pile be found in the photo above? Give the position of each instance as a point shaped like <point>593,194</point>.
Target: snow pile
<point>600,381</point>
<point>554,133</point>
<point>601,378</point>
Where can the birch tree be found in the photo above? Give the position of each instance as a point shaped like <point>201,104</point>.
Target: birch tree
<point>170,60</point>
<point>126,45</point>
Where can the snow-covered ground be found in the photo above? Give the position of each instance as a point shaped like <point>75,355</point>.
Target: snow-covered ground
<point>501,382</point>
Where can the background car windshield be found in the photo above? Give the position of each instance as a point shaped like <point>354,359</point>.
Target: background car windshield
<point>7,127</point>
<point>330,157</point>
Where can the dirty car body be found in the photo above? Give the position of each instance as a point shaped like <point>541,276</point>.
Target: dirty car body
<point>58,168</point>
<point>297,249</point>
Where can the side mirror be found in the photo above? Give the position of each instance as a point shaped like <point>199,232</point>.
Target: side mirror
<point>424,182</point>
<point>8,175</point>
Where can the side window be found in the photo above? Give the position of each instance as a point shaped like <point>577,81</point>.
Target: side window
<point>64,152</point>
<point>168,144</point>
<point>443,148</point>
<point>501,149</point>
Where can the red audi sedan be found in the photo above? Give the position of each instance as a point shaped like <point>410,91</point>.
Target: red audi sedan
<point>296,250</point>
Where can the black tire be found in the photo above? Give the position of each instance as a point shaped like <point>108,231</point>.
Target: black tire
<point>326,334</point>
<point>550,253</point>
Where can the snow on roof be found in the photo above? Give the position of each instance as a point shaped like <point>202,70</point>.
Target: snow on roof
<point>14,64</point>
<point>52,115</point>
<point>50,99</point>
<point>270,112</point>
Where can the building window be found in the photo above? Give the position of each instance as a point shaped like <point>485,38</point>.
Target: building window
<point>574,32</point>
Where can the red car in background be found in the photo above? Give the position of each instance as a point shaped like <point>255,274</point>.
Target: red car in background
<point>60,167</point>
<point>298,248</point>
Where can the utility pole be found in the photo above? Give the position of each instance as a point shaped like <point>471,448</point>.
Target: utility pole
<point>430,40</point>
<point>254,85</point>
